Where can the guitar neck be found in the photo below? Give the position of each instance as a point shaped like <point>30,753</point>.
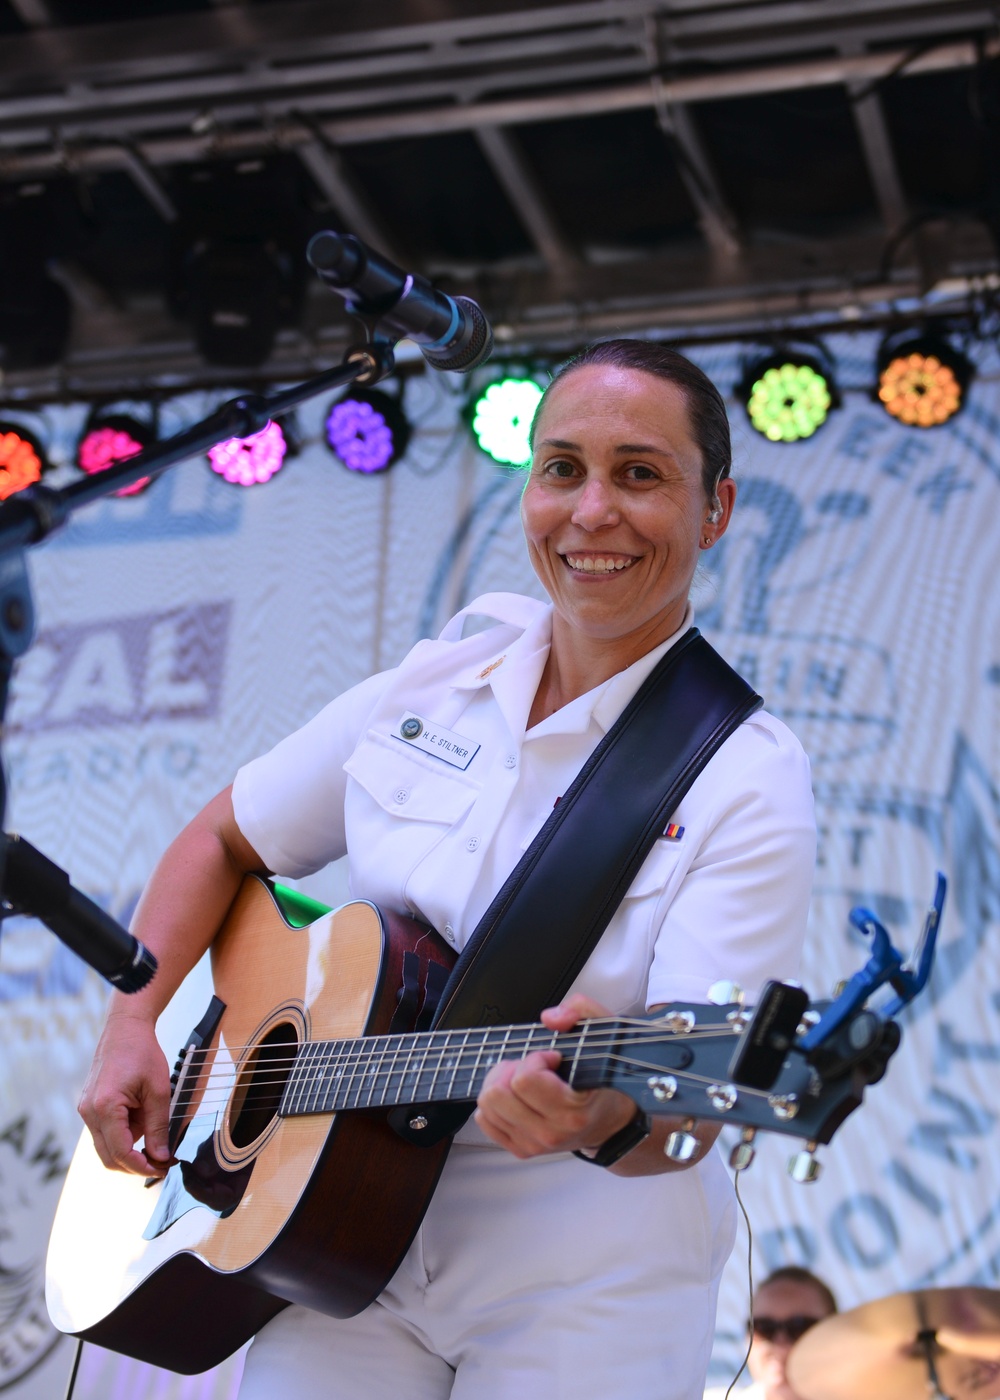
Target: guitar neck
<point>434,1066</point>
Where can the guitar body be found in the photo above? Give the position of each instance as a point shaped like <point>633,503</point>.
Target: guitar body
<point>262,1210</point>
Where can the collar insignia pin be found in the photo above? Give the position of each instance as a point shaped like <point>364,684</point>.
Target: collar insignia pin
<point>488,670</point>
<point>673,832</point>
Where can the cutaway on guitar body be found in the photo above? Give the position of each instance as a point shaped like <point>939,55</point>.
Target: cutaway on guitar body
<point>259,1209</point>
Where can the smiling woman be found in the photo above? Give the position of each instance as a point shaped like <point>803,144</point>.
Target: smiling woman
<point>620,499</point>
<point>534,1272</point>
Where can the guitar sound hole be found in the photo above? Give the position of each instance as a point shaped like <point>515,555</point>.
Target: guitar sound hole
<point>261,1085</point>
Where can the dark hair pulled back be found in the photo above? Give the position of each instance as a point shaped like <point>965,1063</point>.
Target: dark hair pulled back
<point>706,407</point>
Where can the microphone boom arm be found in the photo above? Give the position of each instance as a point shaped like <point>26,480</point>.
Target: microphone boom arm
<point>453,334</point>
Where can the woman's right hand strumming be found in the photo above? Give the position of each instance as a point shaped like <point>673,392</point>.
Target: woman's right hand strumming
<point>127,1093</point>
<point>127,1097</point>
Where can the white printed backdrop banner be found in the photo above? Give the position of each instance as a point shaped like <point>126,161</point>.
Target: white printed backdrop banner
<point>182,631</point>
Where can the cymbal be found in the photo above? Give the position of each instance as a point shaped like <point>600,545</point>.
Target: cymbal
<point>881,1351</point>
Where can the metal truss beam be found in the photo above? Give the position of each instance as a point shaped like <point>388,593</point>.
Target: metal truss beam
<point>30,149</point>
<point>35,13</point>
<point>337,182</point>
<point>507,161</point>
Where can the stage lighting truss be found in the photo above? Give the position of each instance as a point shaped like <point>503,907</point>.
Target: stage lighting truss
<point>22,459</point>
<point>367,430</point>
<point>789,393</point>
<point>108,438</point>
<point>922,379</point>
<point>500,416</point>
<point>250,461</point>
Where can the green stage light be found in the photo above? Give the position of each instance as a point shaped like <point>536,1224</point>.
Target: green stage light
<point>788,396</point>
<point>501,419</point>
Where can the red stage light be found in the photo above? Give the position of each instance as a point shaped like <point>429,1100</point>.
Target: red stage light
<point>111,438</point>
<point>21,459</point>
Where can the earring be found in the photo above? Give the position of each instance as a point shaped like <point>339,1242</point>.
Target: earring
<point>706,542</point>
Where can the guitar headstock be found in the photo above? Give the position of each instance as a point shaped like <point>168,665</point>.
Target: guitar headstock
<point>703,1063</point>
<point>787,1066</point>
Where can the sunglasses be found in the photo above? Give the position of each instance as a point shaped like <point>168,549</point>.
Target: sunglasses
<point>791,1328</point>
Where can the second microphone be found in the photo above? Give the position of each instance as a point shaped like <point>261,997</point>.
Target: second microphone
<point>452,332</point>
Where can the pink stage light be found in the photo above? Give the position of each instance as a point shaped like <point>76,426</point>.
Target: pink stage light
<point>107,443</point>
<point>251,460</point>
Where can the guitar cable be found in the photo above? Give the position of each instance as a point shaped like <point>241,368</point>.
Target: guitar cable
<point>76,1366</point>
<point>743,1211</point>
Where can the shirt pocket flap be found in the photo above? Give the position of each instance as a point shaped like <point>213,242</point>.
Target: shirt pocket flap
<point>409,785</point>
<point>660,867</point>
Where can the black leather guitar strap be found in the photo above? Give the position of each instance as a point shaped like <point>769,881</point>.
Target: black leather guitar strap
<point>544,923</point>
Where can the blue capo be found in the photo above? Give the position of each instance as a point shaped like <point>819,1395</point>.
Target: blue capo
<point>884,965</point>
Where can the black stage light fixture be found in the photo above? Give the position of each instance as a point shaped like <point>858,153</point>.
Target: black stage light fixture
<point>922,378</point>
<point>788,392</point>
<point>237,262</point>
<point>39,221</point>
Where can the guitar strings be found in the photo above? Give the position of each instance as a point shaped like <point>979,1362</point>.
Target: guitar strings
<point>368,1050</point>
<point>455,1073</point>
<point>439,1038</point>
<point>376,1056</point>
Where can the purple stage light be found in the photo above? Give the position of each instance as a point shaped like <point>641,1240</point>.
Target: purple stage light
<point>367,430</point>
<point>251,460</point>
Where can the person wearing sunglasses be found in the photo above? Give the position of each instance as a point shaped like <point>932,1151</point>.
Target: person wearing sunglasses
<point>785,1306</point>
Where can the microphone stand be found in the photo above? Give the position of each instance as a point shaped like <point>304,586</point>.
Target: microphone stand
<point>29,882</point>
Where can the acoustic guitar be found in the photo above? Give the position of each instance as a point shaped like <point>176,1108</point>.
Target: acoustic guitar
<point>292,1185</point>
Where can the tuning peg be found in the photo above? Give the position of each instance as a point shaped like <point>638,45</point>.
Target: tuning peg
<point>803,1166</point>
<point>744,1151</point>
<point>725,993</point>
<point>682,1145</point>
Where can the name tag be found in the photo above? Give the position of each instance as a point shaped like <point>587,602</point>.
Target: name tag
<point>439,743</point>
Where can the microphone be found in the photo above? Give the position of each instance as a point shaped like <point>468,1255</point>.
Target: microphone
<point>452,332</point>
<point>35,885</point>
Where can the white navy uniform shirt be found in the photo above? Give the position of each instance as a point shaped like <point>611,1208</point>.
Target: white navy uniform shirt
<point>543,1276</point>
<point>436,836</point>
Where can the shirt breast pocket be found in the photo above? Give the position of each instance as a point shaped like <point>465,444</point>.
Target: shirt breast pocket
<point>662,866</point>
<point>409,785</point>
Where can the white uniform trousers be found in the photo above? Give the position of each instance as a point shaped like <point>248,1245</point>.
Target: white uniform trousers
<point>548,1278</point>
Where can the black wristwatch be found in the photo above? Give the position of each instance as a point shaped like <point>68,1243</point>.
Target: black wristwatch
<point>636,1130</point>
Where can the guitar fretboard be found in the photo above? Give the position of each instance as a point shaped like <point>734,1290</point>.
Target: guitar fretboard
<point>431,1067</point>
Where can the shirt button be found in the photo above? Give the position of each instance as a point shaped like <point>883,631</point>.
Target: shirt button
<point>510,761</point>
<point>449,933</point>
<point>472,844</point>
<point>401,794</point>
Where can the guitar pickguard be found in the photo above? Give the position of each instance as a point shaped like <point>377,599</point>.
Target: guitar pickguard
<point>198,1180</point>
